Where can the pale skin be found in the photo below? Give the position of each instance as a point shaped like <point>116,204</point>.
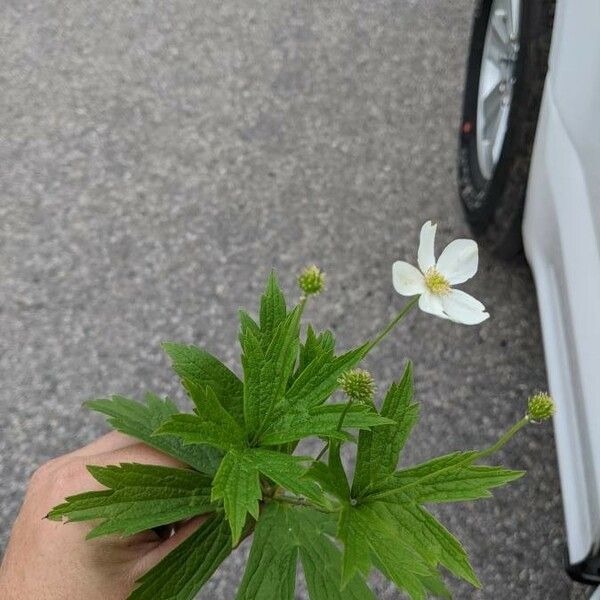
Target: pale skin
<point>52,560</point>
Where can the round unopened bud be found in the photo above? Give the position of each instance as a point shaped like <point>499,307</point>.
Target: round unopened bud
<point>358,385</point>
<point>540,407</point>
<point>311,281</point>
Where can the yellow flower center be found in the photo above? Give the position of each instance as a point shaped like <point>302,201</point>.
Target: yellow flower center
<point>436,282</point>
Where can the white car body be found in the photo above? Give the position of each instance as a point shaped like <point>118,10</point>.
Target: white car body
<point>561,233</point>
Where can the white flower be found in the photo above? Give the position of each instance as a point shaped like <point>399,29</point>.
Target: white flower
<point>433,283</point>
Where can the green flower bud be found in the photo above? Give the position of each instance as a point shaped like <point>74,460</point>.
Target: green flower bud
<point>358,385</point>
<point>311,281</point>
<point>540,407</point>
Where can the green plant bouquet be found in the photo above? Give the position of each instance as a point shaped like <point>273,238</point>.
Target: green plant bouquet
<point>242,472</point>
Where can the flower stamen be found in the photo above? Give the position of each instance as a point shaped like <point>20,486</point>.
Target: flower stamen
<point>436,282</point>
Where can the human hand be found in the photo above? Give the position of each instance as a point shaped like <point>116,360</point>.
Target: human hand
<point>52,561</point>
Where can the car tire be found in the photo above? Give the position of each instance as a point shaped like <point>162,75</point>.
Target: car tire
<point>493,205</point>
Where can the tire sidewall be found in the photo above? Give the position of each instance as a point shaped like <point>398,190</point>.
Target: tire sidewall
<point>481,197</point>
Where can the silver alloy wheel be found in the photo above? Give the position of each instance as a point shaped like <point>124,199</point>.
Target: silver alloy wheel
<point>496,81</point>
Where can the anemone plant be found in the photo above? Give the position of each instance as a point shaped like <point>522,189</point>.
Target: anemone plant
<point>244,476</point>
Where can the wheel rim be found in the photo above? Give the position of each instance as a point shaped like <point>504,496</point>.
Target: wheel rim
<point>496,82</point>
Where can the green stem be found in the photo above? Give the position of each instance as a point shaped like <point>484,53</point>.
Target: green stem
<point>343,415</point>
<point>302,304</point>
<point>504,439</point>
<point>403,312</point>
<point>338,428</point>
<point>302,502</point>
<point>323,450</point>
<point>293,501</point>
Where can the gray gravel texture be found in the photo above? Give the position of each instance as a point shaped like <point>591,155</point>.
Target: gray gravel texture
<point>157,158</point>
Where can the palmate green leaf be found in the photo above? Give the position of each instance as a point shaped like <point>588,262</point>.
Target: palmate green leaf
<point>296,424</point>
<point>331,477</point>
<point>328,480</point>
<point>427,586</point>
<point>326,341</point>
<point>449,478</point>
<point>357,553</point>
<point>434,585</point>
<point>398,498</point>
<point>248,325</point>
<point>271,568</point>
<point>272,313</point>
<point>379,449</point>
<point>139,497</point>
<point>314,346</point>
<point>283,534</point>
<point>237,483</point>
<point>321,562</point>
<point>319,379</point>
<point>140,421</point>
<point>212,425</point>
<point>201,369</point>
<point>186,569</point>
<point>337,469</point>
<point>370,538</point>
<point>428,537</point>
<point>288,472</point>
<point>266,371</point>
<point>458,484</point>
<point>272,309</point>
<point>420,474</point>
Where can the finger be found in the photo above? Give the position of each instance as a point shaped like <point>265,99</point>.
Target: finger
<point>114,440</point>
<point>180,534</point>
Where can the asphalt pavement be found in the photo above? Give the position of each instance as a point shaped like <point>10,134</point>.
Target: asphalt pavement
<point>158,158</point>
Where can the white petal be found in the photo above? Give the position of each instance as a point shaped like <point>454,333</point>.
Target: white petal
<point>431,304</point>
<point>426,255</point>
<point>458,261</point>
<point>408,280</point>
<point>463,308</point>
